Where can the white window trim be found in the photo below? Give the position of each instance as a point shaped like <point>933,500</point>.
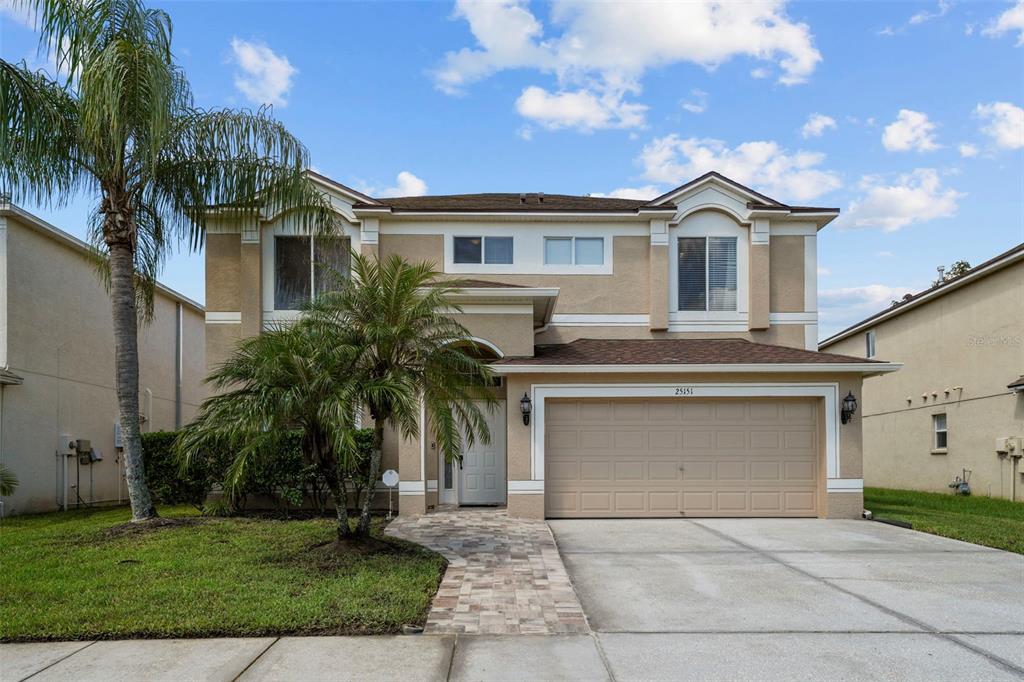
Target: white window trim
<point>528,246</point>
<point>715,320</point>
<point>870,344</point>
<point>572,252</point>
<point>827,391</point>
<point>286,228</point>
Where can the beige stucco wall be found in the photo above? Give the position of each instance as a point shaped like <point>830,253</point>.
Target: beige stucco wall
<point>970,342</point>
<point>60,340</point>
<point>223,272</point>
<point>760,285</point>
<point>786,268</point>
<point>511,333</point>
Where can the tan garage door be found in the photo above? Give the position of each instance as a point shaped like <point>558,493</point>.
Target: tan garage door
<point>657,457</point>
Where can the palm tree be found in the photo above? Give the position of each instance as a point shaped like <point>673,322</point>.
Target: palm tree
<point>8,481</point>
<point>290,378</point>
<point>393,320</point>
<point>123,127</point>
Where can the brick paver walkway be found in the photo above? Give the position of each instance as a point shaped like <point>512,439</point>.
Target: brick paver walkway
<point>504,575</point>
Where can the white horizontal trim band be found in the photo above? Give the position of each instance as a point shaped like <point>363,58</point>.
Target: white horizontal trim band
<point>411,487</point>
<point>793,318</point>
<point>523,487</point>
<point>811,367</point>
<point>845,485</point>
<point>431,486</point>
<point>587,320</point>
<point>223,318</point>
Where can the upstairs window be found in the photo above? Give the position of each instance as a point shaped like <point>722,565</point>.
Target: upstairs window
<point>300,267</point>
<point>573,251</point>
<point>707,274</point>
<point>486,250</point>
<point>869,343</point>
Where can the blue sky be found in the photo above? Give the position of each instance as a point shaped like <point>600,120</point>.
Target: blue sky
<point>908,116</point>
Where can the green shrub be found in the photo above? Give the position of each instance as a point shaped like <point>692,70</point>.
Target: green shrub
<point>284,475</point>
<point>168,483</point>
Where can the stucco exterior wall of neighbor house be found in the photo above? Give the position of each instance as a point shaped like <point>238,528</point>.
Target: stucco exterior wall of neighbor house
<point>59,339</point>
<point>960,351</point>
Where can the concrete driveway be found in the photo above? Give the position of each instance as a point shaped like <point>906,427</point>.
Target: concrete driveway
<point>794,599</point>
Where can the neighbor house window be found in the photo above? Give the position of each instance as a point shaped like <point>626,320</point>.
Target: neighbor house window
<point>869,341</point>
<point>573,251</point>
<point>487,250</point>
<point>707,273</point>
<point>941,435</point>
<point>305,265</point>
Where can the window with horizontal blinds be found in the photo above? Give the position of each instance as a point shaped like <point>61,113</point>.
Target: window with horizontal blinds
<point>692,273</point>
<point>707,274</point>
<point>721,273</point>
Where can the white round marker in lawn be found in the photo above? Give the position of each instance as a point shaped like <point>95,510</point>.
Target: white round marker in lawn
<point>390,479</point>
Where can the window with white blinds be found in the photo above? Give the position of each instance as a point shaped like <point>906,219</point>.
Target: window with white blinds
<point>707,273</point>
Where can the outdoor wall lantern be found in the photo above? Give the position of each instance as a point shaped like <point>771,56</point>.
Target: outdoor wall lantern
<point>526,406</point>
<point>849,407</point>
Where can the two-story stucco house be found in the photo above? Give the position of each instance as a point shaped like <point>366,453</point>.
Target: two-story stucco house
<point>657,358</point>
<point>958,403</point>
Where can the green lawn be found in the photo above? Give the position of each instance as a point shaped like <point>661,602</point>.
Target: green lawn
<point>63,576</point>
<point>982,520</point>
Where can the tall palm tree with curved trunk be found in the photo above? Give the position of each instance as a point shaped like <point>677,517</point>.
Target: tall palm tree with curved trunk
<point>407,355</point>
<point>123,127</point>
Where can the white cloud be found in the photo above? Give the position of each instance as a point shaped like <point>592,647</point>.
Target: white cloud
<point>601,50</point>
<point>406,185</point>
<point>265,77</point>
<point>839,308</point>
<point>1004,123</point>
<point>644,192</point>
<point>760,72</point>
<point>885,254</point>
<point>579,109</point>
<point>816,125</point>
<point>915,197</point>
<point>968,150</point>
<point>1007,22</point>
<point>699,102</point>
<point>823,272</point>
<point>910,130</point>
<point>764,166</point>
<point>924,15</point>
<point>19,12</point>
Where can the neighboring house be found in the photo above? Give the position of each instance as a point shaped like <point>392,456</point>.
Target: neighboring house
<point>961,391</point>
<point>665,350</point>
<point>57,367</point>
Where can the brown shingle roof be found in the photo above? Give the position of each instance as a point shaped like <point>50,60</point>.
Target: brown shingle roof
<point>531,202</point>
<point>675,352</point>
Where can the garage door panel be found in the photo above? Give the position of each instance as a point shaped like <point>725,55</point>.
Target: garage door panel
<point>659,457</point>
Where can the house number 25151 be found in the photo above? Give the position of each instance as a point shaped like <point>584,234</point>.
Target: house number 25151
<point>684,390</point>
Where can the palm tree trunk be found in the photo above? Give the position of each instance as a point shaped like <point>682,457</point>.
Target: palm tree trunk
<point>126,350</point>
<point>363,528</point>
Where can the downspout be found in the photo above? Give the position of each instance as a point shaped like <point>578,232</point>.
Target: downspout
<point>178,350</point>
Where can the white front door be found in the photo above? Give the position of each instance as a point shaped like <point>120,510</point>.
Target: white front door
<point>482,471</point>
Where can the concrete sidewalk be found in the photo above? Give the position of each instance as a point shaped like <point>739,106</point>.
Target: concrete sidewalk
<point>406,658</point>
